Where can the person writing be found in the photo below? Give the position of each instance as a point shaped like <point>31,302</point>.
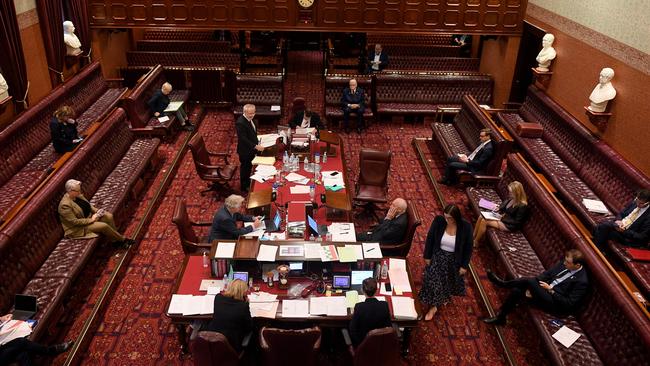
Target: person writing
<point>224,224</point>
<point>21,350</point>
<point>353,100</point>
<point>447,253</point>
<point>474,162</point>
<point>63,130</point>
<point>232,316</point>
<point>247,145</point>
<point>159,101</point>
<point>392,228</point>
<point>631,226</point>
<point>514,213</point>
<point>368,315</point>
<point>81,220</point>
<point>306,119</point>
<point>560,290</point>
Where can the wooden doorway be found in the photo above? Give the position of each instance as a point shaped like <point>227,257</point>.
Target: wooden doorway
<point>531,44</point>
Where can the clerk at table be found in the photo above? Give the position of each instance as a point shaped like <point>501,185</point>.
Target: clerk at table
<point>368,315</point>
<point>232,315</point>
<point>224,224</point>
<point>306,119</point>
<point>392,228</point>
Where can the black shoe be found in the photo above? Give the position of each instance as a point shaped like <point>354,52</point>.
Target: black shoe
<point>495,279</point>
<point>62,347</point>
<point>497,320</point>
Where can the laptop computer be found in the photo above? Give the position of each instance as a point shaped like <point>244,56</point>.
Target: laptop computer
<point>358,277</point>
<point>341,282</point>
<point>273,225</point>
<point>240,276</point>
<point>25,306</point>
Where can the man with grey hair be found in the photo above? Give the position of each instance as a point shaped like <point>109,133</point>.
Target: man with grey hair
<point>81,220</point>
<point>247,145</point>
<point>224,224</point>
<point>392,228</point>
<point>159,102</point>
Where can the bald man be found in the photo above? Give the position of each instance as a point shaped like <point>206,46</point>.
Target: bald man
<point>392,228</point>
<point>353,100</point>
<point>247,145</point>
<point>159,102</point>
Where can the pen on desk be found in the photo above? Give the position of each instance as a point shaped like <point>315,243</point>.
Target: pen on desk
<point>370,250</point>
<point>345,232</point>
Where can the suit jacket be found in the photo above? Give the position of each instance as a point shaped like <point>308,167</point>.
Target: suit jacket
<point>368,315</point>
<point>75,225</point>
<point>569,294</point>
<point>224,225</point>
<point>358,97</point>
<point>638,234</point>
<point>158,102</point>
<point>63,135</point>
<point>464,240</point>
<point>246,138</point>
<point>383,60</point>
<point>513,217</point>
<point>482,158</point>
<point>232,318</point>
<point>390,231</point>
<point>313,122</point>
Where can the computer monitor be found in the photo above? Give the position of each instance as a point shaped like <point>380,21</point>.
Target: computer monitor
<point>277,219</point>
<point>359,276</point>
<point>313,226</point>
<point>295,266</point>
<point>240,276</point>
<point>341,282</point>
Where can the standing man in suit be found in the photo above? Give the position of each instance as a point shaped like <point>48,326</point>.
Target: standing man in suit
<point>353,101</point>
<point>224,223</point>
<point>631,227</point>
<point>377,60</point>
<point>392,228</point>
<point>559,290</point>
<point>368,315</point>
<point>247,145</point>
<point>477,161</point>
<point>306,119</point>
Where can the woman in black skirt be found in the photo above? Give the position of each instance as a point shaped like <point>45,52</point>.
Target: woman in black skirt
<point>447,253</point>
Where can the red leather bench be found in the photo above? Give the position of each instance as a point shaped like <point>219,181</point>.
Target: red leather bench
<point>26,152</point>
<point>461,137</point>
<point>334,85</point>
<point>421,50</point>
<point>613,327</point>
<point>462,64</point>
<point>183,46</point>
<point>407,39</point>
<point>140,116</point>
<point>263,90</point>
<point>177,35</point>
<point>184,59</point>
<point>34,256</point>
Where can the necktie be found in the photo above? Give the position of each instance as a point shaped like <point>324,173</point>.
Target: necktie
<point>304,124</point>
<point>478,148</point>
<point>252,124</point>
<point>629,219</point>
<point>561,277</point>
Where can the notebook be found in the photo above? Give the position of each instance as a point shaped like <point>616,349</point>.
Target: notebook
<point>639,254</point>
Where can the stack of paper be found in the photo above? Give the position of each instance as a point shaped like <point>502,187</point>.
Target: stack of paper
<point>225,250</point>
<point>263,160</point>
<point>342,231</point>
<point>264,173</point>
<point>264,309</point>
<point>205,284</point>
<point>312,251</point>
<point>404,308</point>
<point>318,305</point>
<point>595,206</point>
<point>268,140</point>
<point>396,263</point>
<point>372,250</point>
<point>337,306</point>
<point>295,308</point>
<point>191,305</point>
<point>299,189</point>
<point>399,279</point>
<point>292,251</point>
<point>346,254</point>
<point>333,183</point>
<point>566,336</point>
<point>328,253</point>
<point>305,131</point>
<point>294,177</point>
<point>351,298</point>
<point>267,253</point>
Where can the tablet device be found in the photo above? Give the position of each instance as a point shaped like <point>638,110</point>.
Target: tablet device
<point>359,276</point>
<point>341,282</point>
<point>240,276</point>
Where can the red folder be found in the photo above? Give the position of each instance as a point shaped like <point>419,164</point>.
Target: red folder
<point>639,254</point>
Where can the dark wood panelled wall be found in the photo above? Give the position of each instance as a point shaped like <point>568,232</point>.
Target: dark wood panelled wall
<point>457,16</point>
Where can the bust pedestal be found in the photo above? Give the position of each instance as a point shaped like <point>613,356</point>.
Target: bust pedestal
<point>541,78</point>
<point>599,119</point>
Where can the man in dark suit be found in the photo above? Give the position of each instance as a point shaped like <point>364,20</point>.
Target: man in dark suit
<point>353,101</point>
<point>392,228</point>
<point>224,223</point>
<point>631,227</point>
<point>159,102</point>
<point>247,145</point>
<point>377,60</point>
<point>474,162</point>
<point>368,315</point>
<point>306,119</point>
<point>559,290</point>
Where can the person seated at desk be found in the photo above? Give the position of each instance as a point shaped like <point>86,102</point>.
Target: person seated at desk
<point>474,162</point>
<point>224,224</point>
<point>63,130</point>
<point>232,315</point>
<point>368,315</point>
<point>631,227</point>
<point>306,119</point>
<point>560,290</point>
<point>392,228</point>
<point>514,213</point>
<point>159,102</point>
<point>20,350</point>
<point>377,60</point>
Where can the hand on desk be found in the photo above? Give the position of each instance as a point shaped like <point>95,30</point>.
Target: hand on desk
<point>257,223</point>
<point>259,148</point>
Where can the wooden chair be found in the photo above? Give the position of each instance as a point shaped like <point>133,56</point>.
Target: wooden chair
<point>190,241</point>
<point>372,186</point>
<point>217,177</point>
<point>380,347</point>
<point>402,249</point>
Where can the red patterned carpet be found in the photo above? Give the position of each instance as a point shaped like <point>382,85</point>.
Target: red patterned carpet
<point>135,331</point>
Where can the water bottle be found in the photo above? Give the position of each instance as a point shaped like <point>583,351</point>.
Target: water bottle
<point>325,157</point>
<point>312,192</point>
<point>384,269</point>
<point>225,281</point>
<point>285,158</point>
<point>206,261</point>
<point>306,164</point>
<point>317,158</point>
<point>311,237</point>
<point>250,282</point>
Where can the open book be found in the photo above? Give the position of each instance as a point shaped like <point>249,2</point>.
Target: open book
<point>173,106</point>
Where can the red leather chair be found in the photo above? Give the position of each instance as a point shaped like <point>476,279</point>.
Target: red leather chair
<point>212,348</point>
<point>372,186</point>
<point>380,347</point>
<point>298,105</point>
<point>283,347</point>
<point>190,241</point>
<point>217,176</point>
<point>402,248</point>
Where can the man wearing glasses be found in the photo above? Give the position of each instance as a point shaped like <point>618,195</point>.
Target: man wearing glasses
<point>631,226</point>
<point>476,161</point>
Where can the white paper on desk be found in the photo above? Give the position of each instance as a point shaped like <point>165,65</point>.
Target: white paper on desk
<point>292,177</point>
<point>259,178</point>
<point>205,284</point>
<point>207,304</point>
<point>303,181</point>
<point>404,308</point>
<point>342,231</point>
<point>399,279</point>
<point>225,250</point>
<point>299,189</point>
<point>275,108</point>
<point>329,173</point>
<point>295,308</point>
<point>163,119</point>
<point>193,305</point>
<point>277,236</point>
<point>371,250</point>
<point>337,306</point>
<point>177,304</point>
<point>383,291</point>
<point>305,131</point>
<point>267,253</point>
<point>267,170</point>
<point>358,251</point>
<point>292,251</point>
<point>214,290</point>
<point>396,263</point>
<point>318,305</point>
<point>566,336</point>
<point>268,140</point>
<point>334,181</point>
<point>489,215</point>
<point>262,297</point>
<point>312,251</point>
<point>256,232</point>
<point>596,206</point>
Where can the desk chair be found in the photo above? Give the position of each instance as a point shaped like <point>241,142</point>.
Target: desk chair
<point>372,186</point>
<point>380,347</point>
<point>212,348</point>
<point>217,177</point>
<point>283,347</point>
<point>189,240</point>
<point>298,105</point>
<point>402,249</point>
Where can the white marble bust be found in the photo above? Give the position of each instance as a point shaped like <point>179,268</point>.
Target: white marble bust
<point>3,88</point>
<point>603,92</point>
<point>72,43</point>
<point>547,54</point>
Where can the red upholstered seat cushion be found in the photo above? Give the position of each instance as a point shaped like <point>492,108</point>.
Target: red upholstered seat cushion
<point>371,194</point>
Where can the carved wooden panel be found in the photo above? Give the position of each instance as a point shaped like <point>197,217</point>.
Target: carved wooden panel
<point>457,16</point>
